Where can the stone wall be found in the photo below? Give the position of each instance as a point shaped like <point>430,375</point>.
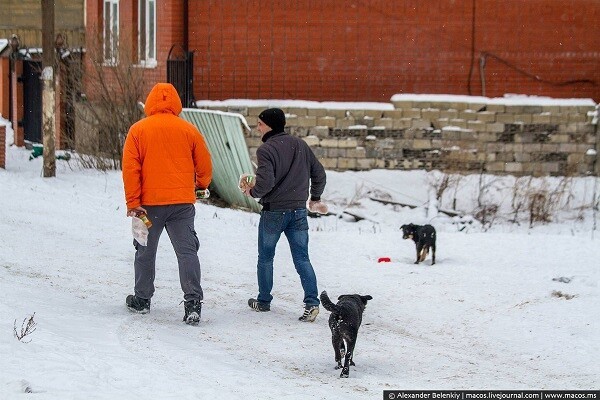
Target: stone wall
<point>556,139</point>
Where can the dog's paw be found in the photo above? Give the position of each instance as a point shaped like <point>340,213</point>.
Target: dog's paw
<point>345,373</point>
<point>338,366</point>
<point>352,364</point>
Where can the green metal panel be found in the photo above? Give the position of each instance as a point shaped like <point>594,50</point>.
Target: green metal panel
<point>224,135</point>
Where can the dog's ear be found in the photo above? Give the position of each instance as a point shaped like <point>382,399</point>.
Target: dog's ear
<point>365,298</point>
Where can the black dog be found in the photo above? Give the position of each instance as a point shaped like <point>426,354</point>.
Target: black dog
<point>424,237</point>
<point>344,321</point>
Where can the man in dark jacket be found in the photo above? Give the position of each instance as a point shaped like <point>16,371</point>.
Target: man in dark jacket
<point>287,171</point>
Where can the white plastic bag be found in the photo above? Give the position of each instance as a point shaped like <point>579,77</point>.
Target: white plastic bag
<point>139,230</point>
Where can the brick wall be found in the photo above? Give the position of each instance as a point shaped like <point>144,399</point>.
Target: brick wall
<point>169,32</point>
<point>451,136</point>
<point>370,50</point>
<point>4,85</point>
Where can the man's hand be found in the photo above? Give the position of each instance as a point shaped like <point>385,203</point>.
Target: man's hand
<point>134,212</point>
<point>317,207</point>
<point>202,194</point>
<point>247,182</point>
<point>246,191</point>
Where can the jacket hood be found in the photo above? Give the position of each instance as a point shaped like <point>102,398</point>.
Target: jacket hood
<point>163,98</point>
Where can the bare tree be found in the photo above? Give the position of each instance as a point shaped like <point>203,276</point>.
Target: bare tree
<point>544,201</point>
<point>486,210</point>
<point>113,91</point>
<point>518,201</point>
<point>441,183</point>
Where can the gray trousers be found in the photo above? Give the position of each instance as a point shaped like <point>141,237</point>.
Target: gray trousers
<point>178,220</point>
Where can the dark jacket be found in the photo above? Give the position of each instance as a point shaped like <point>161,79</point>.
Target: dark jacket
<point>287,168</point>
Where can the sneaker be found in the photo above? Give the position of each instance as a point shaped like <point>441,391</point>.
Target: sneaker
<point>137,304</point>
<point>310,313</point>
<point>259,305</point>
<point>193,309</point>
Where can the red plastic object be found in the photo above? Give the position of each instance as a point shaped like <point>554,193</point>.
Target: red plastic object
<point>384,259</point>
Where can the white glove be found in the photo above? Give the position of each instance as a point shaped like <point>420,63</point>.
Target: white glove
<point>318,207</point>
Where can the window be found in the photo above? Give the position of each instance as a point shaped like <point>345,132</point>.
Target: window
<point>111,31</point>
<point>147,32</point>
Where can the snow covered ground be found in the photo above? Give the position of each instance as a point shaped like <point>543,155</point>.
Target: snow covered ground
<point>495,312</point>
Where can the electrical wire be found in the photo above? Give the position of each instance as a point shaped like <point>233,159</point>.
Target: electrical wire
<point>484,55</point>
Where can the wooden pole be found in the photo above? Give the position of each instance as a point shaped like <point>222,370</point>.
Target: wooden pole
<point>597,159</point>
<point>48,94</point>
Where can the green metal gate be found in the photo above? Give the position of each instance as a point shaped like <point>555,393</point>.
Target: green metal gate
<point>224,134</point>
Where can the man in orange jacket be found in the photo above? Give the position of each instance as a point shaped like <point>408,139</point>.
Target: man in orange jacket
<point>165,164</point>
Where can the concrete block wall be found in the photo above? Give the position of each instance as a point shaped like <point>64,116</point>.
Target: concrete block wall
<point>463,137</point>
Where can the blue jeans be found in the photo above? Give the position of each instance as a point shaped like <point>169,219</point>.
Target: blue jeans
<point>295,226</point>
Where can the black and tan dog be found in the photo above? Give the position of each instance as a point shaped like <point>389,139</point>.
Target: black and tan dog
<point>344,321</point>
<point>424,237</point>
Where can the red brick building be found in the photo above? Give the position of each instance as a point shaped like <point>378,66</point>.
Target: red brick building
<point>366,50</point>
<point>344,50</point>
<point>20,65</point>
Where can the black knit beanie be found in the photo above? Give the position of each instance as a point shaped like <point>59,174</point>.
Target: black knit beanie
<point>274,118</point>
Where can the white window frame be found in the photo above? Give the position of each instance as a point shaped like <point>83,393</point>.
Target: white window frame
<point>147,33</point>
<point>110,32</point>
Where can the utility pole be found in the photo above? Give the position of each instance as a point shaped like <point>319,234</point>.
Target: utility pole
<point>596,200</point>
<point>48,95</point>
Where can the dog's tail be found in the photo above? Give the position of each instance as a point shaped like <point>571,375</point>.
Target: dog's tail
<point>327,303</point>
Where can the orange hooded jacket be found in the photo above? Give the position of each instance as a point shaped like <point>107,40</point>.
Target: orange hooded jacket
<point>165,157</point>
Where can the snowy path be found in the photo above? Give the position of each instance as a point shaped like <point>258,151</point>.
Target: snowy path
<point>483,317</point>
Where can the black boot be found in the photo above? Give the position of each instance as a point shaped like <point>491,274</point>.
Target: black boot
<point>193,309</point>
<point>137,304</point>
